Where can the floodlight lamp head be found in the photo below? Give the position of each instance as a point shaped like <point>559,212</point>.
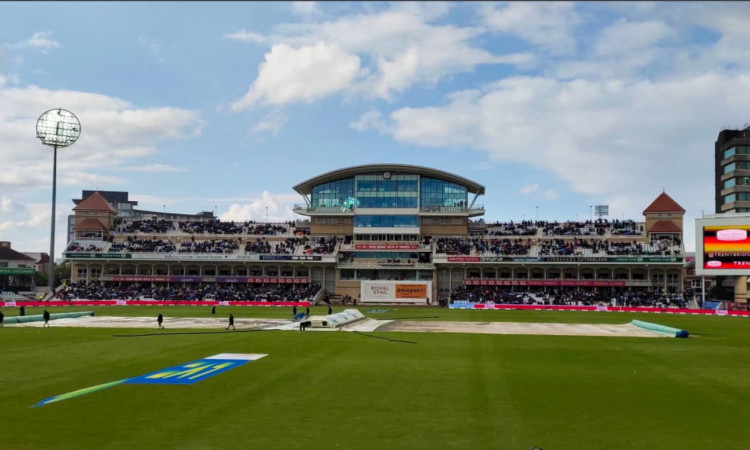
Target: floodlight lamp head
<point>58,128</point>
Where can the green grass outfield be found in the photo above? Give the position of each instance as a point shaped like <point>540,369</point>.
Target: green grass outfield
<point>344,390</point>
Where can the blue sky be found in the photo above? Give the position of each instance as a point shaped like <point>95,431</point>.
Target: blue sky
<point>554,107</point>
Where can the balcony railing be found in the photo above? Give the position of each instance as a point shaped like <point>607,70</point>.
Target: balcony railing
<point>450,209</point>
<point>324,209</point>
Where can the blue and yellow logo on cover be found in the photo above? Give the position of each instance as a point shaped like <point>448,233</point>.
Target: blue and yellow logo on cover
<point>187,373</point>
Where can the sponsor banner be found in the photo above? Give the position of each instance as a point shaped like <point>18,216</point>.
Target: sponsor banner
<point>544,282</point>
<point>462,304</point>
<point>306,258</point>
<point>647,259</point>
<point>270,304</point>
<point>508,259</point>
<point>590,259</point>
<point>157,279</point>
<point>411,291</point>
<point>222,279</point>
<point>56,304</point>
<point>17,271</point>
<point>395,291</point>
<point>386,246</point>
<point>379,291</point>
<point>99,255</point>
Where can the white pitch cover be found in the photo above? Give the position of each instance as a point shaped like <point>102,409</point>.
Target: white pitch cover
<point>238,356</point>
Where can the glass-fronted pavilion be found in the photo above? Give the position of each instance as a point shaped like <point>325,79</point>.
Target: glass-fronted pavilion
<point>398,187</point>
<point>387,214</point>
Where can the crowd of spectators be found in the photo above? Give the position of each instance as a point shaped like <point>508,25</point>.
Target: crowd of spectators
<point>321,246</point>
<point>260,245</point>
<point>453,246</point>
<point>572,296</point>
<point>188,291</point>
<point>562,247</point>
<point>143,245</point>
<point>212,246</point>
<point>209,226</point>
<point>459,246</point>
<point>97,291</point>
<point>78,247</point>
<point>212,226</point>
<point>503,246</point>
<point>625,227</point>
<point>524,228</point>
<point>146,226</point>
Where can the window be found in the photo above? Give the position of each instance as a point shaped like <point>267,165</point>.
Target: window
<point>729,167</point>
<point>729,183</point>
<point>729,198</point>
<point>386,221</point>
<point>438,193</point>
<point>728,153</point>
<point>333,194</point>
<point>398,191</point>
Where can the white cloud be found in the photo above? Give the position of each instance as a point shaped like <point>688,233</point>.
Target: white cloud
<point>300,74</point>
<point>529,188</point>
<point>609,139</point>
<point>247,36</point>
<point>40,40</point>
<point>305,8</point>
<point>547,25</point>
<point>371,120</point>
<point>152,202</point>
<point>272,122</point>
<point>114,133</point>
<point>532,188</point>
<point>8,205</point>
<point>279,209</point>
<point>160,168</point>
<point>153,45</point>
<point>34,221</point>
<point>624,37</point>
<point>372,54</point>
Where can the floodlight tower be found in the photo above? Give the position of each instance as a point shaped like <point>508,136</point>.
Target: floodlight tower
<point>57,128</point>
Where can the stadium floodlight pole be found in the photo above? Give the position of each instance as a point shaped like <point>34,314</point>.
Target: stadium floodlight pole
<point>57,128</point>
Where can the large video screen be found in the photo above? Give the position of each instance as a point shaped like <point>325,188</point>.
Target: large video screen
<point>725,247</point>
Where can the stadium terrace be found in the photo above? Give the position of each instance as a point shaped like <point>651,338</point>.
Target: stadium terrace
<point>381,233</point>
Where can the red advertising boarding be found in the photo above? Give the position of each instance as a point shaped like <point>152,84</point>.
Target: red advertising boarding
<point>545,282</point>
<point>463,259</point>
<point>386,246</point>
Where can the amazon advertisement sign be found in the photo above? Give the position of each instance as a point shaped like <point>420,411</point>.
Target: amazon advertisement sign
<point>395,291</point>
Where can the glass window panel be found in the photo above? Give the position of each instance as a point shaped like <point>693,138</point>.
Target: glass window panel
<point>365,185</point>
<point>407,186</point>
